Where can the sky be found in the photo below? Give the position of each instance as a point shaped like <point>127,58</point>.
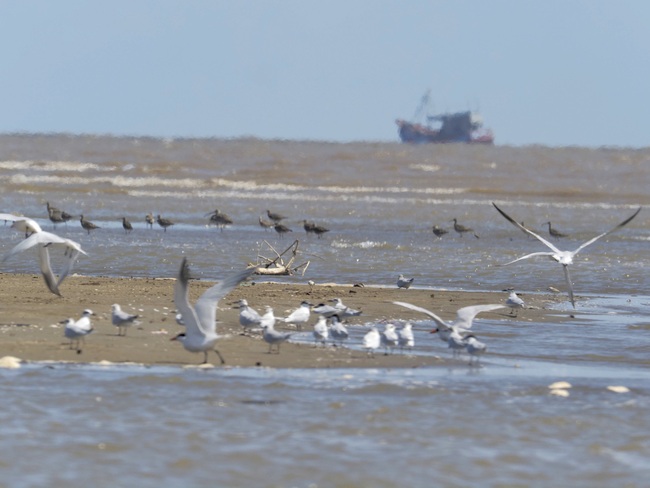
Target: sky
<point>547,72</point>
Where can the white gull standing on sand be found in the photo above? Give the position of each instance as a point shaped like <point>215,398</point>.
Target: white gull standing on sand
<point>121,319</point>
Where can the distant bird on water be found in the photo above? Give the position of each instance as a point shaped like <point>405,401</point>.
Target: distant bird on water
<point>281,229</point>
<point>439,231</point>
<point>164,223</point>
<point>275,217</point>
<point>565,258</point>
<point>461,229</point>
<point>126,225</point>
<point>403,282</point>
<point>265,224</point>
<point>554,232</point>
<point>87,224</point>
<point>149,220</point>
<point>319,230</point>
<point>219,219</point>
<point>56,215</point>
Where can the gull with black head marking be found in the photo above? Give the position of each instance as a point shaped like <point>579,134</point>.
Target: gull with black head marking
<point>565,258</point>
<point>200,320</point>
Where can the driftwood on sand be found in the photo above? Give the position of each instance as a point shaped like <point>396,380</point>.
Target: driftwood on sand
<point>277,266</point>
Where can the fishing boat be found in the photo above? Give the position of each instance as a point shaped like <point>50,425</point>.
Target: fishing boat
<point>463,127</point>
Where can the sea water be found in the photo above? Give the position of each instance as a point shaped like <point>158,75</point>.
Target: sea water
<point>496,424</point>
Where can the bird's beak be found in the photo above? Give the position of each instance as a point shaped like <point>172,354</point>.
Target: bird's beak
<point>434,331</point>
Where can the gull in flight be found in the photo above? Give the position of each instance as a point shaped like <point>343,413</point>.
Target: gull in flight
<point>121,319</point>
<point>565,258</point>
<point>46,240</point>
<point>464,318</point>
<point>21,224</point>
<point>200,320</point>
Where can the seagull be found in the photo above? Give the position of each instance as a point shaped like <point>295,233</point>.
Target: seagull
<point>200,320</point>
<point>321,332</point>
<point>164,223</point>
<point>249,318</point>
<point>389,338</point>
<point>338,331</point>
<point>268,319</point>
<point>464,318</point>
<point>126,225</point>
<point>300,315</point>
<point>21,224</point>
<point>565,258</point>
<point>455,342</point>
<point>406,338</point>
<point>371,340</point>
<point>121,319</point>
<point>87,224</point>
<point>553,232</point>
<point>273,337</point>
<point>77,331</point>
<point>474,347</point>
<point>403,282</point>
<point>514,302</point>
<point>46,240</point>
<point>344,311</point>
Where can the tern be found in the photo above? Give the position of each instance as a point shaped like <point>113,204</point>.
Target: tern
<point>389,338</point>
<point>321,332</point>
<point>474,347</point>
<point>565,258</point>
<point>338,331</point>
<point>46,240</point>
<point>403,282</point>
<point>514,302</point>
<point>121,319</point>
<point>200,320</point>
<point>464,318</point>
<point>300,315</point>
<point>273,337</point>
<point>249,318</point>
<point>406,338</point>
<point>77,331</point>
<point>371,340</point>
<point>22,224</point>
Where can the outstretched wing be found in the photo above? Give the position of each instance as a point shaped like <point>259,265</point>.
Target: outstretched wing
<point>46,239</point>
<point>206,305</point>
<point>625,222</point>
<point>526,230</point>
<point>181,299</point>
<point>46,270</point>
<point>533,254</point>
<point>466,315</point>
<point>21,224</point>
<point>436,319</point>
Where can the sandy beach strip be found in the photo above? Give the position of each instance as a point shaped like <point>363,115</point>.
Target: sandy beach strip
<point>30,319</point>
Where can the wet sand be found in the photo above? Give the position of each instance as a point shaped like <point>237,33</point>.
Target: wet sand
<point>30,318</point>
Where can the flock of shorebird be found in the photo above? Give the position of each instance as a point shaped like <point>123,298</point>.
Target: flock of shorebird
<point>199,320</point>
